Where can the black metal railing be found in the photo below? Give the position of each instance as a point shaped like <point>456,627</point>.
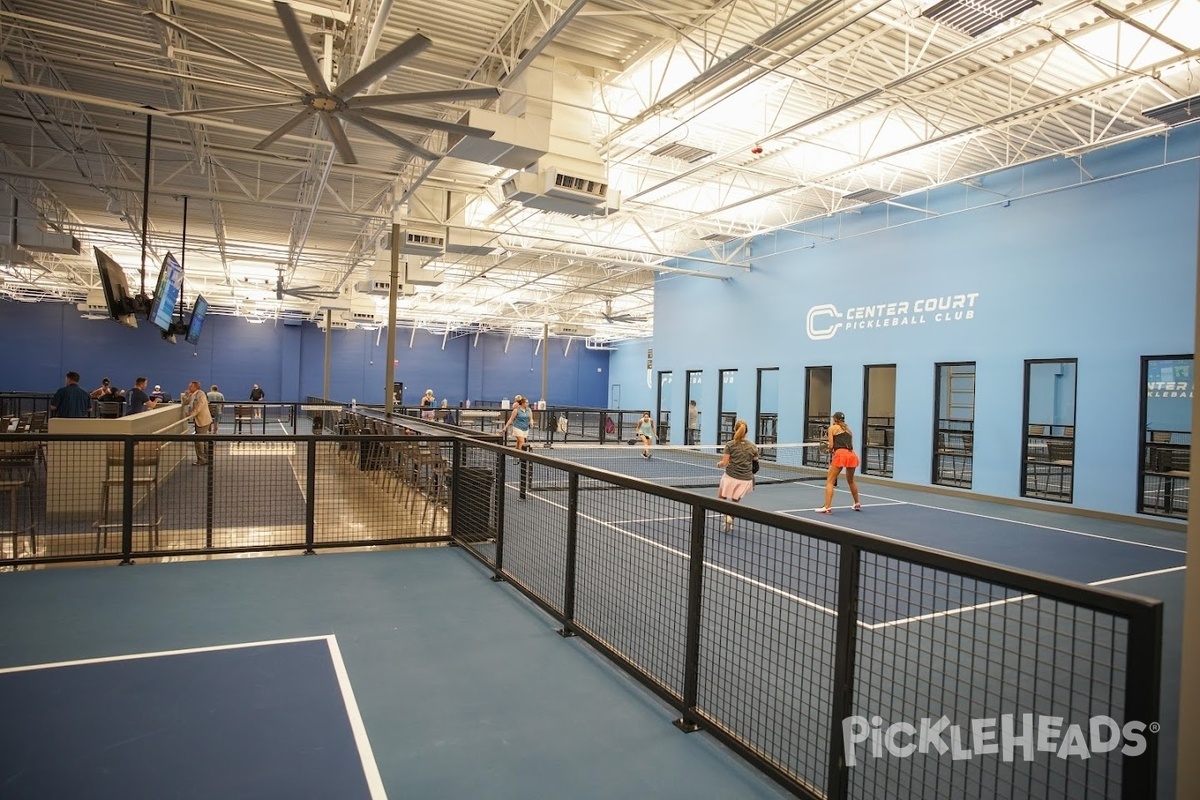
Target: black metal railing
<point>796,643</point>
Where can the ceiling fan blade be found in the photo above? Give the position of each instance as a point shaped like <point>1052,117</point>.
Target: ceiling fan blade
<point>382,65</point>
<point>384,133</point>
<point>285,128</point>
<point>448,95</point>
<point>295,35</point>
<point>338,134</point>
<point>426,122</point>
<point>252,107</point>
<point>170,23</point>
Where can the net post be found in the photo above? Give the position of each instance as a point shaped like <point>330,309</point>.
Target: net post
<point>689,722</point>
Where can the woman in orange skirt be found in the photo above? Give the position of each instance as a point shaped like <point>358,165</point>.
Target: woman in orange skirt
<point>841,445</point>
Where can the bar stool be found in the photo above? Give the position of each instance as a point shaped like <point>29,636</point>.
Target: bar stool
<point>13,487</point>
<point>145,474</point>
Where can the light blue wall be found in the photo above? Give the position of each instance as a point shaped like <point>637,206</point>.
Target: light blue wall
<point>43,341</point>
<point>1102,272</point>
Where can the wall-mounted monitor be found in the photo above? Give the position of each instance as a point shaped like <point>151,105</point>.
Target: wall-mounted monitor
<point>121,303</point>
<point>199,310</point>
<point>167,293</point>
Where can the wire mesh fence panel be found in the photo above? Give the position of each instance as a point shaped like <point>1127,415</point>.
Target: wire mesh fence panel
<point>534,541</point>
<point>767,643</point>
<point>631,579</point>
<point>957,678</point>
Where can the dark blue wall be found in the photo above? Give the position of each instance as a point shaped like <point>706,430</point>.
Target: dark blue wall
<point>43,341</point>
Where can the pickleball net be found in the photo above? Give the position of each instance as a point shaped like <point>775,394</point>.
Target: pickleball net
<point>682,466</point>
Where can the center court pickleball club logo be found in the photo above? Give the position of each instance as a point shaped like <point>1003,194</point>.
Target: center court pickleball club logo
<point>825,320</point>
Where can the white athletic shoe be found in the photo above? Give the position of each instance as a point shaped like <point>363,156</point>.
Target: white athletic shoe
<point>823,510</point>
<point>728,523</point>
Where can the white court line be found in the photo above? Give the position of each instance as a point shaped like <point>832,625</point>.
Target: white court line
<point>1050,528</point>
<point>367,757</point>
<point>161,653</point>
<point>950,612</point>
<point>365,754</point>
<point>1139,575</point>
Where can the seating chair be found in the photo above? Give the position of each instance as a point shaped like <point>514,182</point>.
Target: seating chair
<point>145,475</point>
<point>17,473</point>
<point>243,415</point>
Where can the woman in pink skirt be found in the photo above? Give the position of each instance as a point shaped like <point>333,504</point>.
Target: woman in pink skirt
<point>841,445</point>
<point>738,463</point>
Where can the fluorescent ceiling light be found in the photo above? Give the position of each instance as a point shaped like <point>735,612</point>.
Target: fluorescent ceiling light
<point>973,17</point>
<point>870,195</point>
<point>1176,113</point>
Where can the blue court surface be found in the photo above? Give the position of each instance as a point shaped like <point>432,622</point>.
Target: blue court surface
<point>265,719</point>
<point>750,553</point>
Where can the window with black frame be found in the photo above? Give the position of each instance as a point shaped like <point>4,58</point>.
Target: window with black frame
<point>818,397</point>
<point>766,425</point>
<point>954,424</point>
<point>1166,446</point>
<point>879,422</point>
<point>726,405</point>
<point>1048,463</point>
<point>663,428</point>
<point>695,379</point>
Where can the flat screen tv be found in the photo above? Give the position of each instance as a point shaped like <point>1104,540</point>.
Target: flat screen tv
<point>167,293</point>
<point>121,304</point>
<point>197,323</point>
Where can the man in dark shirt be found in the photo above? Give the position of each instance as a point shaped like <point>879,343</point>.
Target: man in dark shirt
<point>138,399</point>
<point>71,400</point>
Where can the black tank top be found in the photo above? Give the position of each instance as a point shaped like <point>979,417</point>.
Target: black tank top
<point>843,441</point>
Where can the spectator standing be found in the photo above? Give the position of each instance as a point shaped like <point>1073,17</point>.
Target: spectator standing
<point>138,399</point>
<point>256,396</point>
<point>216,404</point>
<point>427,403</point>
<point>198,413</point>
<point>693,423</point>
<point>72,400</point>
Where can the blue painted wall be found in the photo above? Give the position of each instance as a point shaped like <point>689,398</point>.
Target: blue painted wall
<point>1101,271</point>
<point>43,341</point>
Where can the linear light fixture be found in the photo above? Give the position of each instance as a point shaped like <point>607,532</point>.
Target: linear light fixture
<point>870,195</point>
<point>974,17</point>
<point>683,152</point>
<point>1176,113</point>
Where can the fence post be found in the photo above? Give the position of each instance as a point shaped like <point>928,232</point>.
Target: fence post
<point>568,616</point>
<point>126,505</point>
<point>691,654</point>
<point>849,573</point>
<point>1143,668</point>
<point>310,503</point>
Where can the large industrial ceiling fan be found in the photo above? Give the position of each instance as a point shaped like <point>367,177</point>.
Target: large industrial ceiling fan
<point>335,104</point>
<point>610,317</point>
